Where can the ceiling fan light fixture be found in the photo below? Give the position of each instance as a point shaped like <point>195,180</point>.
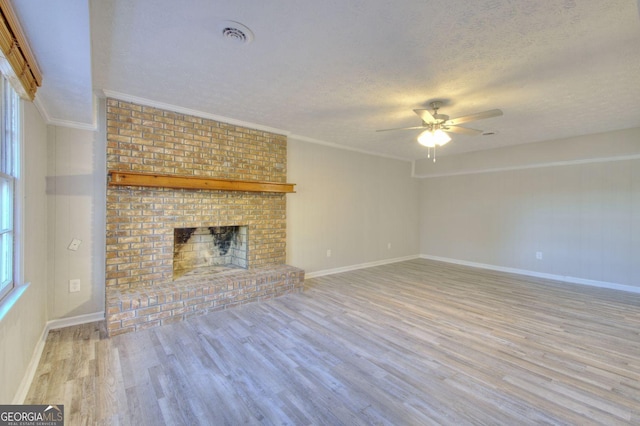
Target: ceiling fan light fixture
<point>430,138</point>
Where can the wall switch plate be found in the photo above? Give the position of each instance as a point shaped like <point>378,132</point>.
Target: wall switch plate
<point>74,286</point>
<point>539,255</point>
<point>74,244</point>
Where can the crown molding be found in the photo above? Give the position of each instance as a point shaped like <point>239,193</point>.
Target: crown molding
<point>529,166</point>
<point>345,147</point>
<point>189,111</point>
<point>615,145</point>
<point>67,123</point>
<point>197,113</point>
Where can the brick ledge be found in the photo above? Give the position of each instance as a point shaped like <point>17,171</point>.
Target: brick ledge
<point>137,309</point>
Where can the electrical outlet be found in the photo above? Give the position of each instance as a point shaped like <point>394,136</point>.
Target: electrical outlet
<point>388,246</point>
<point>539,255</point>
<point>74,286</point>
<point>329,253</point>
<point>74,244</point>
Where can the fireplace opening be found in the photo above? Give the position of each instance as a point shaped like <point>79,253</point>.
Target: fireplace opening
<point>208,250</point>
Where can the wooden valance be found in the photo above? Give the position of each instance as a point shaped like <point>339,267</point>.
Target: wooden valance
<point>119,178</point>
<point>17,61</point>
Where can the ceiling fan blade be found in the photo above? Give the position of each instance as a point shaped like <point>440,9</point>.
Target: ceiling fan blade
<point>476,116</point>
<point>463,130</point>
<point>425,115</point>
<point>401,128</point>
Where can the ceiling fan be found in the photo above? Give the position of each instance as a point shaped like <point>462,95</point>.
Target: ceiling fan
<point>435,125</point>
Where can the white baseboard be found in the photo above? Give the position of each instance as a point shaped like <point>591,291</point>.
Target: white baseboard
<point>23,389</point>
<point>563,278</point>
<point>359,266</point>
<point>25,384</point>
<point>77,320</point>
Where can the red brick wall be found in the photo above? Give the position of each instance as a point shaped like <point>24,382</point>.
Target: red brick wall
<point>140,221</point>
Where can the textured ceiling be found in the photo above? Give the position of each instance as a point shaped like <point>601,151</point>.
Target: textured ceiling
<point>59,35</point>
<point>335,71</point>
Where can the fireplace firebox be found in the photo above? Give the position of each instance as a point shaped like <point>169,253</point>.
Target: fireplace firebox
<point>208,250</point>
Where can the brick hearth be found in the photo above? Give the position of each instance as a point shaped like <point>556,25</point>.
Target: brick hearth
<point>140,289</point>
<point>144,307</point>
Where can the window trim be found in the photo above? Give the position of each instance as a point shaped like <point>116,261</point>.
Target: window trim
<point>12,100</point>
<point>6,288</point>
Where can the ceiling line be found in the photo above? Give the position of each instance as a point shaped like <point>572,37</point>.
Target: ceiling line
<point>346,148</point>
<point>530,166</point>
<point>228,120</point>
<point>189,111</point>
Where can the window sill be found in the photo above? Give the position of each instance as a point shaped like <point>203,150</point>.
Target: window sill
<point>11,299</point>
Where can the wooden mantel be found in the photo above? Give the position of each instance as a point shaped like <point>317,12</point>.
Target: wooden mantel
<point>122,178</point>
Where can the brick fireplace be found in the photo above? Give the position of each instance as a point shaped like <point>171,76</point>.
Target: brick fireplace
<point>146,281</point>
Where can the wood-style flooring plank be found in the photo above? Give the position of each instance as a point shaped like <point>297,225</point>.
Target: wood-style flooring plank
<point>416,342</point>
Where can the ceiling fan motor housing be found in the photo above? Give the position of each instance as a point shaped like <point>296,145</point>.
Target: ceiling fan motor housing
<point>435,121</point>
<point>441,118</point>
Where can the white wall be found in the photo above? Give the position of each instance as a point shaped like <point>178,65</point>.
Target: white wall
<point>351,203</point>
<point>21,328</point>
<point>618,144</point>
<point>583,217</point>
<point>76,203</point>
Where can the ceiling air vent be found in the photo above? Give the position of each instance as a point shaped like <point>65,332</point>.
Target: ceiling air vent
<point>235,32</point>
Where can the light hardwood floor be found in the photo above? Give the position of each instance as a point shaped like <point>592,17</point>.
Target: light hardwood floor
<point>411,343</point>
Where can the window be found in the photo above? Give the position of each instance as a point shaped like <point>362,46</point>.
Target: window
<point>9,173</point>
